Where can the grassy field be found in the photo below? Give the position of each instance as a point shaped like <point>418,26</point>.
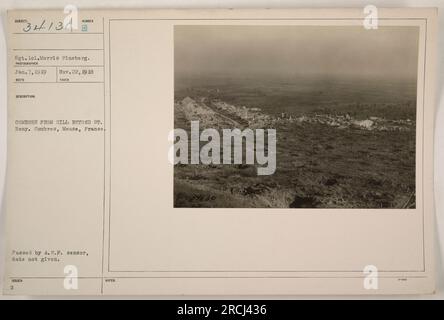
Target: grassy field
<point>318,165</point>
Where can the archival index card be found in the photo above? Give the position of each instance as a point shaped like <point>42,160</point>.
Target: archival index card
<point>220,152</point>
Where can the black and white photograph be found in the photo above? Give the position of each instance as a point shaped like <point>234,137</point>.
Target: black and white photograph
<point>341,100</point>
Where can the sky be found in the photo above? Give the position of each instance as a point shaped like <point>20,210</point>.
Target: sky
<point>254,51</point>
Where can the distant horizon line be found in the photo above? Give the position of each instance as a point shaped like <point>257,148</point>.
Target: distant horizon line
<point>311,76</point>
